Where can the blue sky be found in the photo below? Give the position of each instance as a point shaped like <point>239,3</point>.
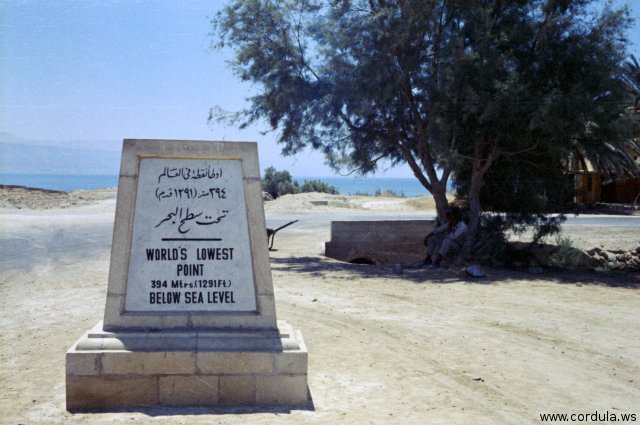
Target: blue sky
<point>99,71</point>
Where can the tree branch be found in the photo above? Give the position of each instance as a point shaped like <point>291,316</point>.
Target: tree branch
<point>490,158</point>
<point>374,160</point>
<point>414,166</point>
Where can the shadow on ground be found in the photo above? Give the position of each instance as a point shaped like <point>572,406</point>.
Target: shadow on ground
<point>154,411</point>
<point>320,266</point>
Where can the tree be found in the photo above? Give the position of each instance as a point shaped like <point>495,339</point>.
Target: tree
<point>278,183</point>
<point>631,76</point>
<point>318,186</point>
<point>447,87</point>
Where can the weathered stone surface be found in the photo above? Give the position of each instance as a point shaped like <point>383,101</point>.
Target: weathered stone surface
<point>195,377</point>
<point>82,363</point>
<point>623,260</point>
<point>284,390</point>
<point>101,392</point>
<point>583,260</point>
<point>594,251</point>
<point>378,242</point>
<point>290,363</point>
<point>148,363</point>
<point>234,363</point>
<point>189,390</point>
<point>240,390</point>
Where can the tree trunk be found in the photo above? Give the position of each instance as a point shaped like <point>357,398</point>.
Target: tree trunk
<point>474,211</point>
<point>438,188</point>
<point>439,192</point>
<point>480,166</point>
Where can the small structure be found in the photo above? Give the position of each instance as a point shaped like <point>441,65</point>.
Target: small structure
<point>378,242</point>
<point>588,187</point>
<point>593,185</point>
<point>622,191</point>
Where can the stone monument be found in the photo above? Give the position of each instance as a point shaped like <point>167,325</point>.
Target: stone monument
<point>190,314</point>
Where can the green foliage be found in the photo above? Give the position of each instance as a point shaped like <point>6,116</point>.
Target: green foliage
<point>318,186</point>
<point>567,256</point>
<point>523,187</point>
<point>455,86</point>
<point>491,242</point>
<point>389,193</point>
<point>278,183</point>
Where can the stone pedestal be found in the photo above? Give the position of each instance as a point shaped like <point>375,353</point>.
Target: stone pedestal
<point>108,370</point>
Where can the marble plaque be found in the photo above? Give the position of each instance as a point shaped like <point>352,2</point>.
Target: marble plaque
<point>190,248</point>
<point>189,244</point>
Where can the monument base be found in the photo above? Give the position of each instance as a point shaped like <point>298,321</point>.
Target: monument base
<point>112,370</point>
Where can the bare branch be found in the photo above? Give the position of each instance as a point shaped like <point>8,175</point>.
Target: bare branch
<point>415,167</point>
<point>374,160</point>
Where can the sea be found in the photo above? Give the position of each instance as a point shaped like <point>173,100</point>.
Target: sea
<point>404,187</point>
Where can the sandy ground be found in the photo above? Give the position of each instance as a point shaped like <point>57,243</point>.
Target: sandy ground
<point>419,347</point>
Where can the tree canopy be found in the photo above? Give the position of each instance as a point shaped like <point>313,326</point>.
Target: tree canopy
<point>449,87</point>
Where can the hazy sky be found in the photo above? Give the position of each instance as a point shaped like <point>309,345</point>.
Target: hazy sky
<point>103,70</point>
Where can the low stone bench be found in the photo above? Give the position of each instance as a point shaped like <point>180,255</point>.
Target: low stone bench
<point>378,242</point>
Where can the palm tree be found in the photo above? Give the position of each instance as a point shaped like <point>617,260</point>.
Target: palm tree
<point>615,156</point>
<point>631,77</point>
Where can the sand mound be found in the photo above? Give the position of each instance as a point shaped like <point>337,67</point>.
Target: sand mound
<point>318,202</point>
<point>22,197</point>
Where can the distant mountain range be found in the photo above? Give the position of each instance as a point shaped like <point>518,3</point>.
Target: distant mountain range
<point>18,156</point>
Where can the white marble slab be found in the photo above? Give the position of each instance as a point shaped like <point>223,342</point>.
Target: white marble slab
<point>190,246</point>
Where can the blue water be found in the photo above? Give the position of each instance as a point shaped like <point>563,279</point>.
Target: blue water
<point>369,185</point>
<point>65,182</point>
<point>345,185</point>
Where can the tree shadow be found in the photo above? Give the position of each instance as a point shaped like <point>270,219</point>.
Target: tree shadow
<point>614,279</point>
<point>320,266</point>
<point>606,209</point>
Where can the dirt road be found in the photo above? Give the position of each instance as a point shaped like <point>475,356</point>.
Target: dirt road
<point>420,347</point>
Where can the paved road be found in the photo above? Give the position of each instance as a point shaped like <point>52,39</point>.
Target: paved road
<point>315,219</point>
<point>27,237</point>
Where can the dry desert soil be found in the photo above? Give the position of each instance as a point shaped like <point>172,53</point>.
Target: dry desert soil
<point>412,348</point>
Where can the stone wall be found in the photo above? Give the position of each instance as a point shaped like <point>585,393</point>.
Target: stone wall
<point>378,242</point>
<point>616,259</point>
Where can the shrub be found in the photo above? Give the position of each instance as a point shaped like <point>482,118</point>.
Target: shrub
<point>491,243</point>
<point>566,257</point>
<point>318,186</point>
<point>278,183</point>
<point>389,193</point>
